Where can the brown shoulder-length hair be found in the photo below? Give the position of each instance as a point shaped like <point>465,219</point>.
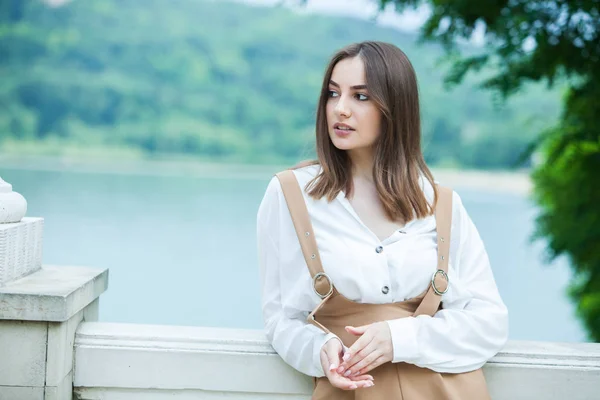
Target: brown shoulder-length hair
<point>398,160</point>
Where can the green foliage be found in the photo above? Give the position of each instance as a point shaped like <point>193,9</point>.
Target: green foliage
<point>564,44</point>
<point>526,40</point>
<point>568,191</point>
<point>220,80</point>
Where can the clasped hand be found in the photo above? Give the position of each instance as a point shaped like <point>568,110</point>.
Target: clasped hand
<point>348,370</point>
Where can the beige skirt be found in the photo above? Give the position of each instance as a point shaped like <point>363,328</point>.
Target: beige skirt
<point>393,381</point>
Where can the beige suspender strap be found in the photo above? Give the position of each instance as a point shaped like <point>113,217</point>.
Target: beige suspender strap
<point>321,282</point>
<point>295,202</point>
<point>439,281</point>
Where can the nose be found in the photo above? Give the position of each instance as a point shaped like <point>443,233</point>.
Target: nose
<point>341,107</point>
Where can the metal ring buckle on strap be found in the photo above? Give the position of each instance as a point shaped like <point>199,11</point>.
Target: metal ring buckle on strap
<point>435,289</point>
<point>317,276</point>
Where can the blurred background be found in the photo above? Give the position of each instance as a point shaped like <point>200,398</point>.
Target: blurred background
<point>145,133</point>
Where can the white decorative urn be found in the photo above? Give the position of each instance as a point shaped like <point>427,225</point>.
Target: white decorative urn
<point>13,206</point>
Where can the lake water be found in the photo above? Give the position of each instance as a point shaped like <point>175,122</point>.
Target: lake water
<point>182,250</point>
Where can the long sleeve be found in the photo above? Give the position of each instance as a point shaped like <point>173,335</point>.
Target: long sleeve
<point>293,338</point>
<point>473,324</point>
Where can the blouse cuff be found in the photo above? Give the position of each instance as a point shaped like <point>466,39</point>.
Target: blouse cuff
<point>404,332</point>
<point>317,352</point>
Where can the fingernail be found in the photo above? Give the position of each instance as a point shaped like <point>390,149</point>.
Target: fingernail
<point>340,369</point>
<point>332,367</point>
<point>370,384</point>
<point>346,356</point>
<point>353,386</point>
<point>347,373</point>
<point>370,377</point>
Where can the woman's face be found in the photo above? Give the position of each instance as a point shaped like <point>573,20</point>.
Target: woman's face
<point>353,119</point>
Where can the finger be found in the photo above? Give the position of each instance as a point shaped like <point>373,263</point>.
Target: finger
<point>360,344</point>
<point>344,383</point>
<point>357,331</point>
<point>334,353</point>
<point>371,366</point>
<point>333,350</point>
<point>327,365</point>
<point>350,354</point>
<point>365,362</point>
<point>361,355</point>
<point>363,377</point>
<point>347,383</point>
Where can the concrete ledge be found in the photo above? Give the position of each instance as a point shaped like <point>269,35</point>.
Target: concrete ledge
<point>550,354</point>
<point>23,353</point>
<point>125,361</point>
<point>52,293</point>
<point>156,394</point>
<point>17,392</point>
<point>110,355</point>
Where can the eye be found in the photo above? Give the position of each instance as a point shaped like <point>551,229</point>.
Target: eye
<point>332,93</point>
<point>361,97</point>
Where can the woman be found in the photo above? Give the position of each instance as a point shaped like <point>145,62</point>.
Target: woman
<point>372,203</point>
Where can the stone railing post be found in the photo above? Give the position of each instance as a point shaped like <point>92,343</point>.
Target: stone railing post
<point>40,308</point>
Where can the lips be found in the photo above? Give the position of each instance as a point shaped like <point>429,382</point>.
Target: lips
<point>342,126</point>
<point>342,130</point>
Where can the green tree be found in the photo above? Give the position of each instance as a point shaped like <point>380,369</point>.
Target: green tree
<point>549,41</point>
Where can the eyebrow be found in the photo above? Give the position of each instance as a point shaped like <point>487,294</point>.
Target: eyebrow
<point>356,87</point>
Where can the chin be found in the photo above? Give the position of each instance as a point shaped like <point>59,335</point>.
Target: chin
<point>342,144</point>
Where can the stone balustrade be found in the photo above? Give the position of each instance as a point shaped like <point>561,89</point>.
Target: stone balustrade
<point>150,362</point>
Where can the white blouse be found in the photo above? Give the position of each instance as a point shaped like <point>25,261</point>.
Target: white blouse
<point>470,329</point>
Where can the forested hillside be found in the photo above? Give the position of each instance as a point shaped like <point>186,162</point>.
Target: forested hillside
<point>219,80</point>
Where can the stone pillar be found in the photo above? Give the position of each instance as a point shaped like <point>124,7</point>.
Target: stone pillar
<point>40,309</point>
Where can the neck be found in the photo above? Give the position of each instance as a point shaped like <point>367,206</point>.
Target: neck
<point>362,164</point>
